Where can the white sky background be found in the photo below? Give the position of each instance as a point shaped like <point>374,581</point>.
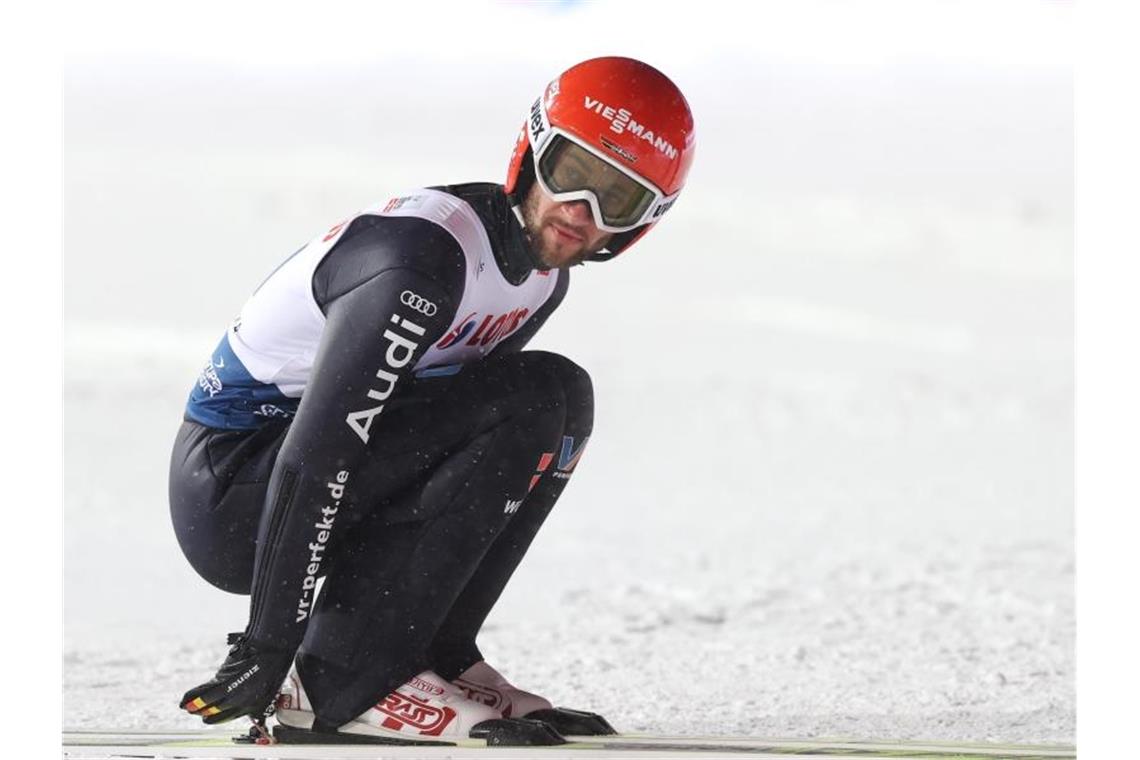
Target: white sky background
<point>1013,33</point>
<point>846,122</point>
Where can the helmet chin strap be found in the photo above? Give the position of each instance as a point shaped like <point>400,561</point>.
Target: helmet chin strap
<point>536,262</point>
<point>517,208</point>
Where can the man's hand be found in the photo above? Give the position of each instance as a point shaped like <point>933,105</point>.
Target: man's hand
<point>245,684</point>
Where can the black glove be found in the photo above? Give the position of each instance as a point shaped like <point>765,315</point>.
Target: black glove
<point>245,684</point>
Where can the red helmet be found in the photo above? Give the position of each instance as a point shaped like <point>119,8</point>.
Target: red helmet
<point>614,132</point>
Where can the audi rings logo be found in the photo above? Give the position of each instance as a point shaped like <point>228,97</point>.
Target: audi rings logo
<point>419,303</point>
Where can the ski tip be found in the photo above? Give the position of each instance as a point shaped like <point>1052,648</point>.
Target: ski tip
<point>574,722</point>
<point>516,732</point>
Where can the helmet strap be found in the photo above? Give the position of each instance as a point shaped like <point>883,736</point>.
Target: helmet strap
<point>525,180</point>
<point>618,243</point>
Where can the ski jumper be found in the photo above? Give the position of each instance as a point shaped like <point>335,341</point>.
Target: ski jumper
<point>370,418</point>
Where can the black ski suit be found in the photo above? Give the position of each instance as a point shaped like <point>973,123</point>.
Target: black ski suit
<point>371,419</point>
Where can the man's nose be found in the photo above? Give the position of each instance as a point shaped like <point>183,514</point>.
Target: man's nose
<point>579,212</point>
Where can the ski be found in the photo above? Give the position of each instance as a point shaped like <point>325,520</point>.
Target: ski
<point>110,745</point>
<point>827,747</point>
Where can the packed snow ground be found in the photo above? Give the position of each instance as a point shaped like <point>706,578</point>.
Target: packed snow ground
<point>830,489</point>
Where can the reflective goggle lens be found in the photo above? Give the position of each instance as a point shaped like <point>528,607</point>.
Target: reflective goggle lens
<point>567,167</point>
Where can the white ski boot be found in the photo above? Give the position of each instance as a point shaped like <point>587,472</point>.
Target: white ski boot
<point>426,709</point>
<point>482,683</point>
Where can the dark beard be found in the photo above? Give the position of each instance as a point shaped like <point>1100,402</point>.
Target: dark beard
<point>533,235</point>
<point>534,240</point>
<point>534,244</point>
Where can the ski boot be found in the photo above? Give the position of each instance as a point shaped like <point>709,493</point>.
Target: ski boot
<point>425,710</point>
<point>482,683</point>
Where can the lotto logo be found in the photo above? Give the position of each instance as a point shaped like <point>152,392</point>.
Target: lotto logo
<point>491,329</point>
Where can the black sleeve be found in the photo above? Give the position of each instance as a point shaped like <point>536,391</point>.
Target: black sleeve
<point>371,244</point>
<point>519,339</point>
<point>376,330</point>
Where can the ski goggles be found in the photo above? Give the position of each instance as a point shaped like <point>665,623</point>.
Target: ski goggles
<point>569,170</point>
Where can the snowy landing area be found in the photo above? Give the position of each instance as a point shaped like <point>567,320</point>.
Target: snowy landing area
<point>830,537</point>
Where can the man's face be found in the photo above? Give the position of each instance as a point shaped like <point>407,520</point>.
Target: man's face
<point>561,234</point>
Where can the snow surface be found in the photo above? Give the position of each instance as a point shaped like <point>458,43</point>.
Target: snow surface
<point>830,490</point>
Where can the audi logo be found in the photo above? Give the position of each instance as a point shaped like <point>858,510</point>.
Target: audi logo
<point>419,303</point>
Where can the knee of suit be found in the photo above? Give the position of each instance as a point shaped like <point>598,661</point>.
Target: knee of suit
<point>221,556</point>
<point>579,391</point>
<point>574,385</point>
